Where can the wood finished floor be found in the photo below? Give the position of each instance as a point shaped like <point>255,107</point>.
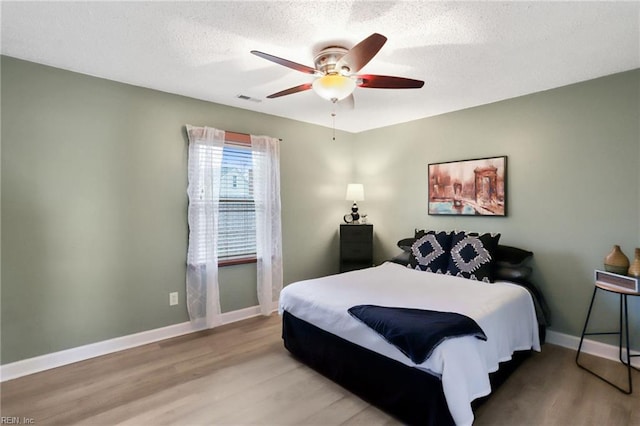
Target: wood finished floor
<point>241,374</point>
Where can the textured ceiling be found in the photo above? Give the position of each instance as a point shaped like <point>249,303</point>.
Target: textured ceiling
<point>468,53</point>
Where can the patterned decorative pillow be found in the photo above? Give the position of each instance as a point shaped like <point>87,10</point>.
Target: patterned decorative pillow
<point>430,252</point>
<point>472,256</point>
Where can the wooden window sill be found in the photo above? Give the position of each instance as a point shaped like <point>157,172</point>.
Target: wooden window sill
<point>240,261</point>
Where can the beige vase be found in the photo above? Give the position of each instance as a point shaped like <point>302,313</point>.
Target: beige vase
<point>634,269</point>
<point>616,261</point>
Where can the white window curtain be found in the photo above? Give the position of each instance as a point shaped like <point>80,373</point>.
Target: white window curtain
<point>206,146</point>
<point>266,166</point>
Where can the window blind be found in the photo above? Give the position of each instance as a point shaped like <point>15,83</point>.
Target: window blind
<point>236,205</point>
<point>237,215</point>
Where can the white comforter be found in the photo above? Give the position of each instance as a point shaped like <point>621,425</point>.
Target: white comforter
<point>504,311</point>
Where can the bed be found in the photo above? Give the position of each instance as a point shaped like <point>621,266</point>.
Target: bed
<point>443,389</point>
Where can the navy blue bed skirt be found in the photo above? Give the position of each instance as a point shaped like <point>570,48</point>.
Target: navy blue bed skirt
<point>412,396</point>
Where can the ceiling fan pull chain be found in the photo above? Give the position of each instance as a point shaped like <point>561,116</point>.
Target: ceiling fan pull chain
<point>333,114</point>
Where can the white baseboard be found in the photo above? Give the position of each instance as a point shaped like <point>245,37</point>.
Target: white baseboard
<point>591,347</point>
<point>81,353</point>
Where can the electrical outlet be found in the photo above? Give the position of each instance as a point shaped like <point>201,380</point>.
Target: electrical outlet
<point>173,298</point>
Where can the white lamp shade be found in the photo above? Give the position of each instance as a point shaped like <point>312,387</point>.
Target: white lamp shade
<point>334,87</point>
<point>355,192</point>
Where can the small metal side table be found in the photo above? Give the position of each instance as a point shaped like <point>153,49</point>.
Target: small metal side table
<point>624,321</point>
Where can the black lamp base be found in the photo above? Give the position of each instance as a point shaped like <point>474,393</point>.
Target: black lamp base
<point>354,212</point>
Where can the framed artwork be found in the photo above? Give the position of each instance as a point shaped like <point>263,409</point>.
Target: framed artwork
<point>469,187</point>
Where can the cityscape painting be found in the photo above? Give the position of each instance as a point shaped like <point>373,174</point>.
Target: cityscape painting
<point>469,187</point>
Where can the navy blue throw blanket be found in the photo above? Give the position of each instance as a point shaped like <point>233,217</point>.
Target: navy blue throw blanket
<point>416,332</point>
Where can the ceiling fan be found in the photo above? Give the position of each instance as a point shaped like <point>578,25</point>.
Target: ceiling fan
<point>336,70</point>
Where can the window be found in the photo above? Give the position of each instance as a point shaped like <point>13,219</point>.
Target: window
<point>237,214</point>
<point>233,215</point>
<point>236,203</point>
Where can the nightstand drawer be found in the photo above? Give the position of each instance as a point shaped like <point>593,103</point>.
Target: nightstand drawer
<point>356,233</point>
<point>355,251</point>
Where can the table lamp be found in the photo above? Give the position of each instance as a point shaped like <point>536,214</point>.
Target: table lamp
<point>355,193</point>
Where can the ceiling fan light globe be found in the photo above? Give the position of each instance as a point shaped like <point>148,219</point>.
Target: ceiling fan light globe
<point>334,87</point>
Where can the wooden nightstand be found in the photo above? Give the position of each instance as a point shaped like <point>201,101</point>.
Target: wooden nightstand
<point>356,247</point>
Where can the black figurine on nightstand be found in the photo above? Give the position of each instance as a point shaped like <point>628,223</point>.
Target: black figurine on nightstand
<point>354,216</point>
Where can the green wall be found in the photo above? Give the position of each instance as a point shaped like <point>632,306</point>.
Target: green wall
<point>573,183</point>
<point>94,206</point>
<point>94,228</point>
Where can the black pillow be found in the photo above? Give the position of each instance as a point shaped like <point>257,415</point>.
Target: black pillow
<point>512,256</point>
<point>430,252</point>
<point>472,256</point>
<point>406,243</point>
<point>403,258</point>
<point>516,274</point>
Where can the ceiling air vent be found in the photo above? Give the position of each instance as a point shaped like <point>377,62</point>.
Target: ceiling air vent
<point>248,98</point>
